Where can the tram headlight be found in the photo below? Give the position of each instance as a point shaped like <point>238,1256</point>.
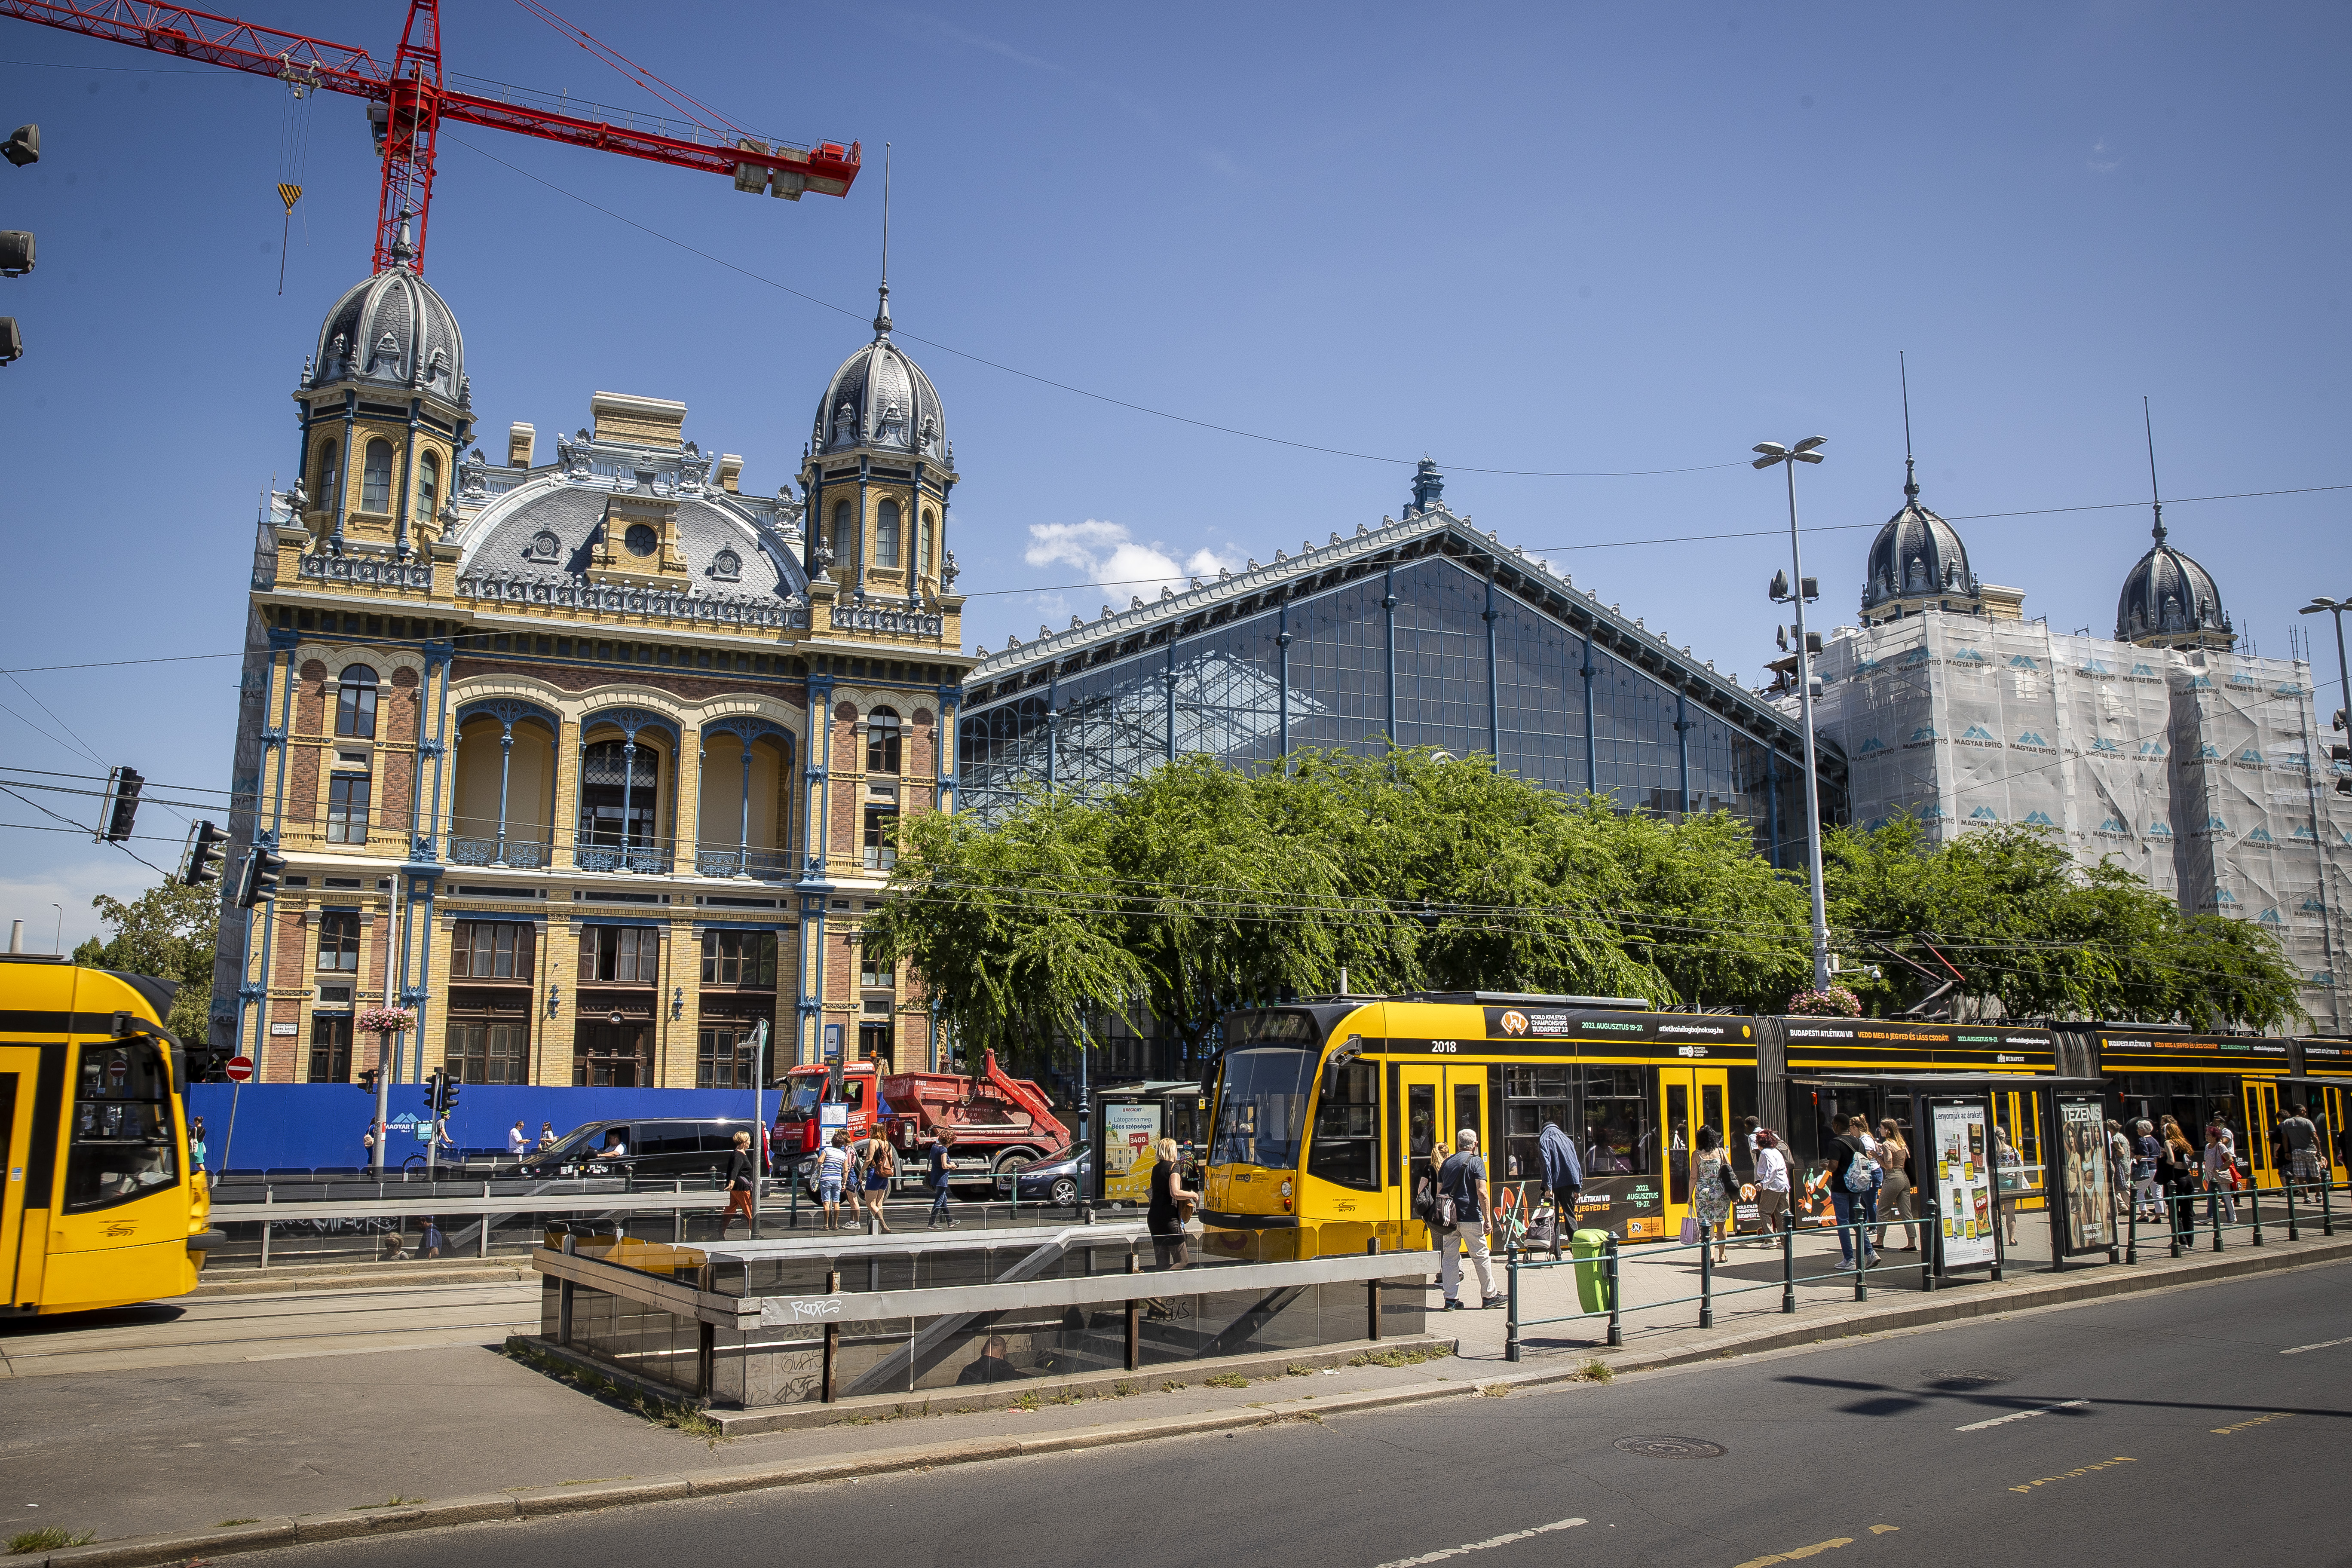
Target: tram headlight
<point>1286,1195</point>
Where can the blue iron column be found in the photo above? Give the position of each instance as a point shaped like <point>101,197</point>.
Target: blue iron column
<point>1682,742</point>
<point>1387,612</point>
<point>1591,749</point>
<point>1282,647</point>
<point>506,771</point>
<point>1170,677</point>
<point>1053,727</point>
<point>1494,678</point>
<point>256,988</point>
<point>743,851</point>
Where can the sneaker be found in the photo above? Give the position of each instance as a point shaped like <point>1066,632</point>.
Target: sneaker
<point>1453,1306</point>
<point>1492,1302</point>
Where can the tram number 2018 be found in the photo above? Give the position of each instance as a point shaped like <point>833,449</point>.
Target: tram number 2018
<point>1442,1047</point>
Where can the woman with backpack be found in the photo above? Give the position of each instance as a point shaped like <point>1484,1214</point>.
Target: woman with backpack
<point>1854,1178</point>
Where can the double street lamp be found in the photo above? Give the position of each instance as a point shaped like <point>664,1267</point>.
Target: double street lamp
<point>1788,457</point>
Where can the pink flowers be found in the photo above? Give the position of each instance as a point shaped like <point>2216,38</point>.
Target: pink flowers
<point>385,1020</point>
<point>1837,1002</point>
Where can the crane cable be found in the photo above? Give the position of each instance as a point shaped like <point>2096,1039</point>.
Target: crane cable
<point>293,162</point>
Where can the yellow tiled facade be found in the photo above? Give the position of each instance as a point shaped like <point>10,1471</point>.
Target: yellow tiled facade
<point>594,763</point>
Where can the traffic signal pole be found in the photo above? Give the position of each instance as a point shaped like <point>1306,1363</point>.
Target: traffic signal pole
<point>383,1098</point>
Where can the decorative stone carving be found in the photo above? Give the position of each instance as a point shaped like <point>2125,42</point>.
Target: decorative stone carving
<point>949,571</point>
<point>790,508</point>
<point>845,424</point>
<point>694,469</point>
<point>473,477</point>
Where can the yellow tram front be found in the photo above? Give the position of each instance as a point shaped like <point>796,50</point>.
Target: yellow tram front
<point>101,1206</point>
<point>1326,1112</point>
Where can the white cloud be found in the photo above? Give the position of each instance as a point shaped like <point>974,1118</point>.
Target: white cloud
<point>28,894</point>
<point>2101,162</point>
<point>1109,556</point>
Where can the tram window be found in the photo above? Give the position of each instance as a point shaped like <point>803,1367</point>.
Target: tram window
<point>1466,1115</point>
<point>1617,1134</point>
<point>1420,1120</point>
<point>1345,1146</point>
<point>1262,1108</point>
<point>123,1143</point>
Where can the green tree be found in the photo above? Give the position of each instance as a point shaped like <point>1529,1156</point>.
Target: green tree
<point>169,932</point>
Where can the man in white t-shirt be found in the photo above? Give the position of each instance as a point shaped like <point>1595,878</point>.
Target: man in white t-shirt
<point>517,1141</point>
<point>1771,1180</point>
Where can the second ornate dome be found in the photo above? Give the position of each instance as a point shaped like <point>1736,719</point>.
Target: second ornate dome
<point>881,398</point>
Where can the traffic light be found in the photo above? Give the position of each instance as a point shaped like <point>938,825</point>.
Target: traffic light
<point>257,881</point>
<point>23,147</point>
<point>433,1091</point>
<point>450,1085</point>
<point>199,859</point>
<point>367,1079</point>
<point>15,253</point>
<point>121,807</point>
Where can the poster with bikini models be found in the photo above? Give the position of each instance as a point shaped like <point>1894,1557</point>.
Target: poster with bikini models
<point>2089,1189</point>
<point>1963,1182</point>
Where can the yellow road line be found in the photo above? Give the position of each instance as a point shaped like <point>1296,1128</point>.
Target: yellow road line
<point>2079,1470</point>
<point>2257,1421</point>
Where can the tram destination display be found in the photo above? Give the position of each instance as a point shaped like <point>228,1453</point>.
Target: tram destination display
<point>1964,1197</point>
<point>2086,1177</point>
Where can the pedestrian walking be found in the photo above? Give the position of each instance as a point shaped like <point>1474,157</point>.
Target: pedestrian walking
<point>738,1187</point>
<point>1563,1175</point>
<point>941,1170</point>
<point>2304,1163</point>
<point>1772,1181</point>
<point>2146,1153</point>
<point>433,1238</point>
<point>2119,1160</point>
<point>196,1145</point>
<point>1713,1189</point>
<point>367,1146</point>
<point>2176,1174</point>
<point>1853,1182</point>
<point>1171,1208</point>
<point>875,1168</point>
<point>832,1171</point>
<point>1894,1187</point>
<point>2220,1174</point>
<point>517,1141</point>
<point>2010,1175</point>
<point>1462,1209</point>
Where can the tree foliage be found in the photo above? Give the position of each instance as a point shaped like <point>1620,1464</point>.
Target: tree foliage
<point>170,931</point>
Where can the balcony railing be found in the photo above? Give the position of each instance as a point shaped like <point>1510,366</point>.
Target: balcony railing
<point>523,855</point>
<point>600,858</point>
<point>767,865</point>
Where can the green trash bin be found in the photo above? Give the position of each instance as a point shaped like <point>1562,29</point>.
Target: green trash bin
<point>1592,1291</point>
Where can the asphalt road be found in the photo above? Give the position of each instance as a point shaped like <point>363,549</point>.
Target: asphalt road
<point>2205,1425</point>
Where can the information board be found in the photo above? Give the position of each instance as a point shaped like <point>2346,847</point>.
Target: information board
<point>2089,1197</point>
<point>1963,1182</point>
<point>1129,1134</point>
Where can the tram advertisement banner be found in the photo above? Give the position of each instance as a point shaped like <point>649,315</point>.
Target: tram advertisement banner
<point>1129,1134</point>
<point>1963,1181</point>
<point>2090,1198</point>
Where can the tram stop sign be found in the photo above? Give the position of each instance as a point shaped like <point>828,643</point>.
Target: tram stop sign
<point>239,1068</point>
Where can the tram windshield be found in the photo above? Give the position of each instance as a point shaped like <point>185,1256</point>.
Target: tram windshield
<point>1262,1109</point>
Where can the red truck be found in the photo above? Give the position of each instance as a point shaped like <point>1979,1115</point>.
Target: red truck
<point>1000,1123</point>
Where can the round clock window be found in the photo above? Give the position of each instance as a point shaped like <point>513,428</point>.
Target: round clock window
<point>641,540</point>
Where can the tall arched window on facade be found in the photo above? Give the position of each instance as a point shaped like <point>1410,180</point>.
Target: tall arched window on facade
<point>882,731</point>
<point>617,791</point>
<point>926,541</point>
<point>355,703</point>
<point>885,534</point>
<point>330,474</point>
<point>375,479</point>
<point>428,486</point>
<point>844,534</point>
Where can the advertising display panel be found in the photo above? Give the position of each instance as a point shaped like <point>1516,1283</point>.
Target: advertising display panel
<point>1129,1132</point>
<point>1964,1192</point>
<point>2087,1196</point>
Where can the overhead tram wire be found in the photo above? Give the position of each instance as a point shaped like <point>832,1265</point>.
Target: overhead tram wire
<point>78,827</point>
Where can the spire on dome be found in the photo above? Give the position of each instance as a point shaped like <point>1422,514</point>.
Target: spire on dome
<point>1910,475</point>
<point>882,312</point>
<point>2154,494</point>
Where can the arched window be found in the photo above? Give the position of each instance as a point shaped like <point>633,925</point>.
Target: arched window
<point>617,790</point>
<point>375,479</point>
<point>355,703</point>
<point>885,534</point>
<point>926,544</point>
<point>882,731</point>
<point>428,486</point>
<point>330,474</point>
<point>844,533</point>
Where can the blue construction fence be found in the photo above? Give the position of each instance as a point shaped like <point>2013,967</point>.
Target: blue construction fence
<point>299,1125</point>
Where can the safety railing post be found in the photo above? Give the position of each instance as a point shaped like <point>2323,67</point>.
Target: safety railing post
<point>832,1336</point>
<point>269,1196</point>
<point>563,1296</point>
<point>2214,1198</point>
<point>706,1346</point>
<point>1372,1298</point>
<point>2255,1196</point>
<point>1929,1234</point>
<point>1616,1298</point>
<point>678,1216</point>
<point>1511,1310</point>
<point>2326,1209</point>
<point>1134,1319</point>
<point>1788,1260</point>
<point>2294,1231</point>
<point>1860,1258</point>
<point>2131,1231</point>
<point>482,1242</point>
<point>2172,1220</point>
<point>1706,1277</point>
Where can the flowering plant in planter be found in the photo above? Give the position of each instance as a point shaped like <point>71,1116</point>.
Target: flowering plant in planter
<point>1836,1001</point>
<point>386,1020</point>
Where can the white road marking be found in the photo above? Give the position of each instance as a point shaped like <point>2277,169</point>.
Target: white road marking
<point>1486,1544</point>
<point>2322,1345</point>
<point>2019,1415</point>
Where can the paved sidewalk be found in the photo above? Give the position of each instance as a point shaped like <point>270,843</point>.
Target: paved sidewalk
<point>321,1445</point>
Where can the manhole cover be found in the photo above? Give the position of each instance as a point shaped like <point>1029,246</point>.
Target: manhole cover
<point>1672,1447</point>
<point>1963,1377</point>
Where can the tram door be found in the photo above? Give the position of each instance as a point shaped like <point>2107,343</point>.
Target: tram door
<point>17,1066</point>
<point>1439,1102</point>
<point>1692,1098</point>
<point>2017,1114</point>
<point>2328,1107</point>
<point>2262,1112</point>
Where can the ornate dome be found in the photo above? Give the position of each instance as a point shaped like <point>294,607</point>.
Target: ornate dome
<point>1916,555</point>
<point>881,398</point>
<point>394,330</point>
<point>2168,598</point>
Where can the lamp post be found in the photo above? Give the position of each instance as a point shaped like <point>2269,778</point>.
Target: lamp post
<point>2335,607</point>
<point>1788,457</point>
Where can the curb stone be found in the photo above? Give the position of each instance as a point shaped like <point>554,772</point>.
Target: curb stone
<point>136,1552</point>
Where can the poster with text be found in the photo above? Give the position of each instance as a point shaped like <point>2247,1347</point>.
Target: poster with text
<point>1963,1184</point>
<point>1129,1132</point>
<point>2082,1166</point>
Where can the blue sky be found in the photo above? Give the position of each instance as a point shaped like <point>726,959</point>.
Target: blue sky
<point>1566,240</point>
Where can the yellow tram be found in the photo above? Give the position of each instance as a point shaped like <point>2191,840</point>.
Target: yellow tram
<point>101,1206</point>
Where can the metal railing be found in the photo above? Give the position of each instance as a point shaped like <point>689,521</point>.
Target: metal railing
<point>2183,1227</point>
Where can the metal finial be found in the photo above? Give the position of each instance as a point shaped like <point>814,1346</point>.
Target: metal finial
<point>882,314</point>
<point>1910,476</point>
<point>2154,494</point>
<point>402,251</point>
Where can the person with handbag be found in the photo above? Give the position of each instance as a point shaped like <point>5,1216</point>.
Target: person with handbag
<point>2176,1174</point>
<point>1460,1223</point>
<point>2220,1172</point>
<point>1714,1189</point>
<point>1171,1207</point>
<point>738,1186</point>
<point>1894,1157</point>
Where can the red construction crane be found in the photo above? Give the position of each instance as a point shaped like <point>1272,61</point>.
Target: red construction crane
<point>408,102</point>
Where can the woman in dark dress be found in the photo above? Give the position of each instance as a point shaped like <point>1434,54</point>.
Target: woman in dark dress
<point>1170,1201</point>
